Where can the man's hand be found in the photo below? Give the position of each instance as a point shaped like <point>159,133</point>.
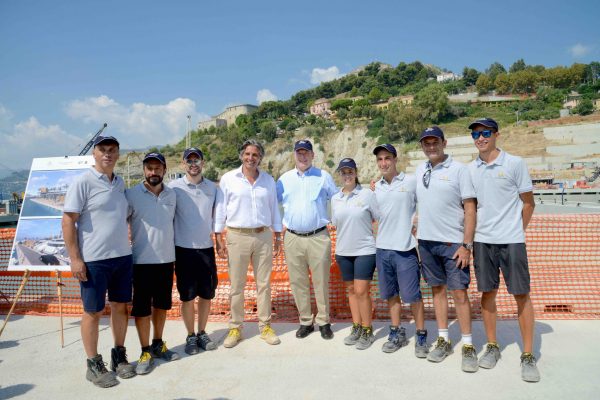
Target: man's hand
<point>221,246</point>
<point>462,257</point>
<point>278,245</point>
<point>78,270</point>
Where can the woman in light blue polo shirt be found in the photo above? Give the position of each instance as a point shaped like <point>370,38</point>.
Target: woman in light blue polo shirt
<point>353,211</point>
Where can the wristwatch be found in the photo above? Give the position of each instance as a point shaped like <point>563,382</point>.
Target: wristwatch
<point>468,246</point>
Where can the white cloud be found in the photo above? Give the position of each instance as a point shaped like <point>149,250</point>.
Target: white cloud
<point>319,75</point>
<point>29,139</point>
<point>579,50</point>
<point>139,124</point>
<point>5,117</point>
<point>265,95</point>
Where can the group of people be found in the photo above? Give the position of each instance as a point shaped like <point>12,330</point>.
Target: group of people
<point>481,209</point>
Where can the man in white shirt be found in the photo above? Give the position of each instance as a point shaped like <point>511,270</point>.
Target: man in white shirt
<point>504,208</point>
<point>249,211</point>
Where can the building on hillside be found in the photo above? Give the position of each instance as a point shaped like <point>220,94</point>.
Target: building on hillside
<point>597,104</point>
<point>447,76</point>
<point>404,100</point>
<point>321,107</point>
<point>572,100</point>
<point>227,117</point>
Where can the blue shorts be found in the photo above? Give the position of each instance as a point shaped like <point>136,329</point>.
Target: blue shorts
<point>399,275</point>
<point>356,267</point>
<point>439,268</point>
<point>114,275</point>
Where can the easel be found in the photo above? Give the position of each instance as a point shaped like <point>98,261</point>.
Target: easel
<point>59,286</point>
<point>14,304</point>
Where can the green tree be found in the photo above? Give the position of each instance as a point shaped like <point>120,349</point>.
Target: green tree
<point>484,84</point>
<point>403,123</point>
<point>584,107</point>
<point>503,84</point>
<point>342,113</point>
<point>374,95</point>
<point>341,103</point>
<point>268,131</point>
<point>433,100</point>
<point>470,76</point>
<point>524,81</point>
<point>517,66</point>
<point>494,70</point>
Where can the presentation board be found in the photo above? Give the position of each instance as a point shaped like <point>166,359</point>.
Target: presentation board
<point>39,244</point>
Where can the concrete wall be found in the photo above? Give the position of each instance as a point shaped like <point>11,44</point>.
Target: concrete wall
<point>574,134</point>
<point>575,150</point>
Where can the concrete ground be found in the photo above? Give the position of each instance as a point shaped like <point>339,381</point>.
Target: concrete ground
<point>34,366</point>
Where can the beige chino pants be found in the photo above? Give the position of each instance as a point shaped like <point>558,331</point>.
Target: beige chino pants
<point>243,247</point>
<point>304,254</point>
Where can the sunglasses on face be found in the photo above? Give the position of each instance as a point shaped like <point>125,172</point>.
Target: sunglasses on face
<point>195,161</point>
<point>486,134</point>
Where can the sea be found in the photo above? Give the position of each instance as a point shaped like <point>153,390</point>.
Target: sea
<point>33,209</point>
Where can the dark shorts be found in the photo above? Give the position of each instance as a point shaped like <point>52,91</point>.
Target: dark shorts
<point>196,271</point>
<point>152,287</point>
<point>439,268</point>
<point>510,258</point>
<point>356,267</point>
<point>113,275</point>
<point>399,275</point>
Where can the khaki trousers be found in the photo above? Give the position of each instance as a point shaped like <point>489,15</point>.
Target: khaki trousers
<point>243,247</point>
<point>304,254</point>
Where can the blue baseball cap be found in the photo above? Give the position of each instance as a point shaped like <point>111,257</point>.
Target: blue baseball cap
<point>303,144</point>
<point>192,150</point>
<point>102,139</point>
<point>432,131</point>
<point>387,147</point>
<point>155,156</point>
<point>487,122</point>
<point>346,163</point>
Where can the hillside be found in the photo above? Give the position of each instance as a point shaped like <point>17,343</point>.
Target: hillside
<point>381,103</point>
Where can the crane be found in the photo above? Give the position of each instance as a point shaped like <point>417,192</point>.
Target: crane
<point>89,144</point>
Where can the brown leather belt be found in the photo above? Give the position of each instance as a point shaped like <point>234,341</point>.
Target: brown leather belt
<point>246,230</point>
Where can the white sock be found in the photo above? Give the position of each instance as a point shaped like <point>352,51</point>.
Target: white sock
<point>467,339</point>
<point>443,333</point>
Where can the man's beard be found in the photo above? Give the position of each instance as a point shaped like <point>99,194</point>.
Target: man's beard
<point>154,180</point>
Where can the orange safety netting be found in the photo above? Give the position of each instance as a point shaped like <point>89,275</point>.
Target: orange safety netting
<point>564,262</point>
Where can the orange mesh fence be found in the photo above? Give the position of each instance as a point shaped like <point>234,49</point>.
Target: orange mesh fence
<point>564,262</point>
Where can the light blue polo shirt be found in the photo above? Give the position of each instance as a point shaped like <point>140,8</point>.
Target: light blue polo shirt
<point>397,206</point>
<point>499,207</point>
<point>102,230</point>
<point>441,212</point>
<point>151,220</point>
<point>304,197</point>
<point>194,215</point>
<point>353,216</point>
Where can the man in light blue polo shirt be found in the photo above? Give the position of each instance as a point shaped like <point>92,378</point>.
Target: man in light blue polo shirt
<point>446,201</point>
<point>304,193</point>
<point>396,257</point>
<point>504,208</point>
<point>94,226</point>
<point>195,264</point>
<point>151,214</point>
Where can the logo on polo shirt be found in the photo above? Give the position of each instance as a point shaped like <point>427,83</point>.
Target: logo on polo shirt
<point>501,175</point>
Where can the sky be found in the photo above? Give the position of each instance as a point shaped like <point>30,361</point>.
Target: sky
<point>67,67</point>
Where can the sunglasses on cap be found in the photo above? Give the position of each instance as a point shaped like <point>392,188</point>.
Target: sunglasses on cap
<point>486,134</point>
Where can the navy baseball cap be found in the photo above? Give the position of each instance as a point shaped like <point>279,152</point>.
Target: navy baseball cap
<point>155,156</point>
<point>346,163</point>
<point>487,122</point>
<point>386,147</point>
<point>192,150</point>
<point>102,139</point>
<point>303,144</point>
<point>432,131</point>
